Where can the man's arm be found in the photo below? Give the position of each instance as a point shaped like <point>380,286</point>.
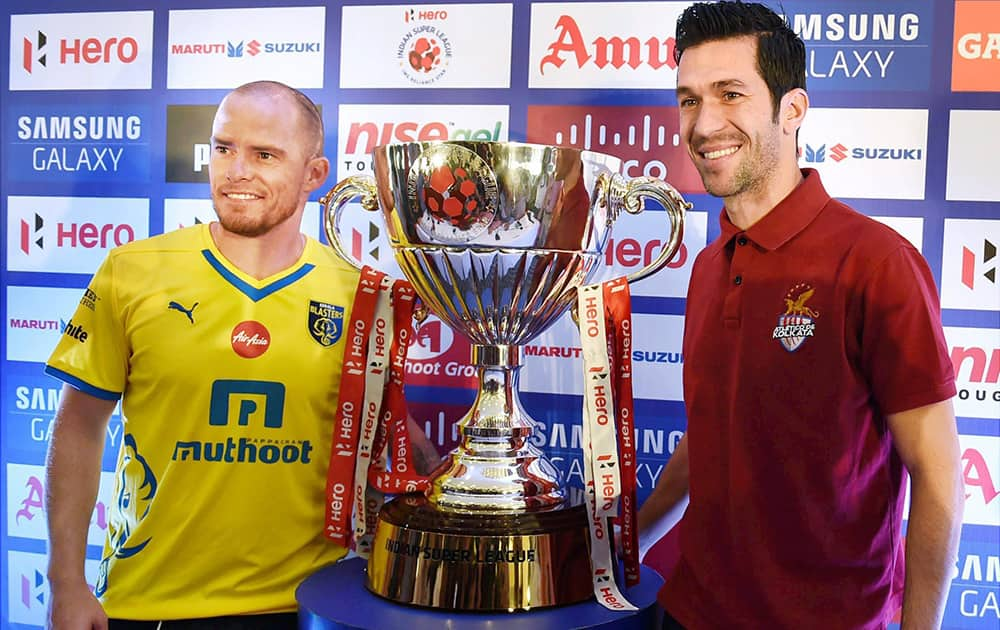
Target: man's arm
<point>425,455</point>
<point>72,477</point>
<point>927,441</point>
<point>667,502</point>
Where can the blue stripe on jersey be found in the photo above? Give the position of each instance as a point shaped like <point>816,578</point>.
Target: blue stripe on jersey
<point>251,292</point>
<point>81,385</point>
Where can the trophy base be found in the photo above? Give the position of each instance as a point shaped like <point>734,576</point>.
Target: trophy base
<point>425,556</point>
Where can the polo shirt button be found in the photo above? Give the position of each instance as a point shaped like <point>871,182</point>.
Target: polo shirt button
<point>741,240</point>
<point>738,280</point>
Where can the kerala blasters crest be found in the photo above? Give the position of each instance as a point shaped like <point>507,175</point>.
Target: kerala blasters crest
<point>326,322</point>
<point>797,323</point>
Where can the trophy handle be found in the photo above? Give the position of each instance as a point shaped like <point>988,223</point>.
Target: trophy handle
<point>332,205</point>
<point>627,194</point>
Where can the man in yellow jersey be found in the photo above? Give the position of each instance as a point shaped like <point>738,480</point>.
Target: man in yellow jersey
<point>224,342</point>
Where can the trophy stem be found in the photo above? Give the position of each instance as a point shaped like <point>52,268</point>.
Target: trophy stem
<point>496,468</point>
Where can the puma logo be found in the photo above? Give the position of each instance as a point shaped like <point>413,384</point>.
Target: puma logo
<point>187,311</point>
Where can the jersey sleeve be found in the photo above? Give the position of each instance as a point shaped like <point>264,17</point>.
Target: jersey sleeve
<point>92,352</point>
<point>904,353</point>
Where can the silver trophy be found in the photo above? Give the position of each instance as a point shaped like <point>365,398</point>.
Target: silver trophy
<point>495,238</point>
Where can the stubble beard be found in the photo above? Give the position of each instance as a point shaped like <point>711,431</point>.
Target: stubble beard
<point>753,173</point>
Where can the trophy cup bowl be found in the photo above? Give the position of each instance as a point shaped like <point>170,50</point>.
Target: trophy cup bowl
<point>495,238</point>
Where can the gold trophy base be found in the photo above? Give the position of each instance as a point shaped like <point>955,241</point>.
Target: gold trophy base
<point>425,556</point>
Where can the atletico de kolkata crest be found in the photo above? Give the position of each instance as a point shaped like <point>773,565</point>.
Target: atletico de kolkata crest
<point>326,322</point>
<point>798,322</point>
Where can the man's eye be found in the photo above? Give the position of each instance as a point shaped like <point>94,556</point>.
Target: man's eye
<point>688,102</point>
<point>264,155</point>
<point>730,96</point>
<point>221,149</point>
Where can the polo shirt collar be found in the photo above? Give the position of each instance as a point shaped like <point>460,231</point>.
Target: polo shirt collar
<point>785,220</point>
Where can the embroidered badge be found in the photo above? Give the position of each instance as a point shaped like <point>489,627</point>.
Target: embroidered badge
<point>326,322</point>
<point>798,321</point>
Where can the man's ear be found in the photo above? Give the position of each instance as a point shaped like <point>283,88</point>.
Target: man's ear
<point>317,170</point>
<point>794,105</point>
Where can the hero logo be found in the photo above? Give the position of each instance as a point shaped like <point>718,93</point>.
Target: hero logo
<point>630,253</point>
<point>607,50</point>
<point>73,235</point>
<point>866,42</point>
<point>969,264</point>
<point>647,138</point>
<point>377,134</point>
<point>91,50</point>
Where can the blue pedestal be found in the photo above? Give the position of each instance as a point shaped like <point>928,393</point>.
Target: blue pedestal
<point>336,597</point>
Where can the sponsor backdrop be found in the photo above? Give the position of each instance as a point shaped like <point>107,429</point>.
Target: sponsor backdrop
<point>106,115</point>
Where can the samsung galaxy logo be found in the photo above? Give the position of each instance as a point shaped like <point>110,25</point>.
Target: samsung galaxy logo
<point>79,127</point>
<point>856,27</point>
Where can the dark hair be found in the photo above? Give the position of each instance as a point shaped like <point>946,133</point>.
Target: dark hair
<point>311,118</point>
<point>781,55</point>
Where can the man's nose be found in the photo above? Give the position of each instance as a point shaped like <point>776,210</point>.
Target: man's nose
<point>238,168</point>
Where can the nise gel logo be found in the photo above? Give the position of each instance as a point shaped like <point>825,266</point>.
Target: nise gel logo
<point>838,152</point>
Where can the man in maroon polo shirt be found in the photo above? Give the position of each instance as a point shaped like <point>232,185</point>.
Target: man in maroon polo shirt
<point>816,374</point>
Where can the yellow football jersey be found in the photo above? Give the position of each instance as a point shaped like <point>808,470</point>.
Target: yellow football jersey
<point>229,386</point>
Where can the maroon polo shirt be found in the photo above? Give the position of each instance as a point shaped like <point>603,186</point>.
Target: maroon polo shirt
<point>801,334</point>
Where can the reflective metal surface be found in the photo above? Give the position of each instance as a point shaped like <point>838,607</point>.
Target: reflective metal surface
<point>496,238</point>
<point>426,556</point>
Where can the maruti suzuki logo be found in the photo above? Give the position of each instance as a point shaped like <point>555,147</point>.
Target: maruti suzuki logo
<point>29,235</point>
<point>969,264</point>
<point>253,48</point>
<point>31,49</point>
<point>838,152</point>
<point>815,155</point>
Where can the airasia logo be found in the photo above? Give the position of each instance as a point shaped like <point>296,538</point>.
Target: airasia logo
<point>606,50</point>
<point>250,339</point>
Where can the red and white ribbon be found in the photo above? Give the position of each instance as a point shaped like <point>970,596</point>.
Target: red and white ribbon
<point>619,305</point>
<point>371,413</point>
<point>602,473</point>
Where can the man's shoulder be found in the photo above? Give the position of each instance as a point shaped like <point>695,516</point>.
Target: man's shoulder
<point>860,230</point>
<point>183,240</point>
<point>327,261</point>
